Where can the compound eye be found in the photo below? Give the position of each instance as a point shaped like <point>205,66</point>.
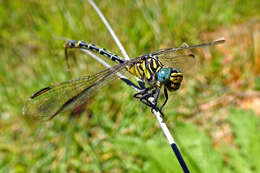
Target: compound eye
<point>174,70</point>
<point>164,74</point>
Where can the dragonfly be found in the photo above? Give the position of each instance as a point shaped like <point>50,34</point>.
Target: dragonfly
<point>162,69</point>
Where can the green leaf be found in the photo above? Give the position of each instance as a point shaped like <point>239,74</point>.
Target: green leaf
<point>246,128</point>
<point>198,148</point>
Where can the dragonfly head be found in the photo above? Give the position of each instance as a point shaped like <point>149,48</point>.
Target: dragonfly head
<point>171,77</point>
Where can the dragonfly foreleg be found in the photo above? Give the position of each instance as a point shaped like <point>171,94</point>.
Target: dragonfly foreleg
<point>154,93</point>
<point>141,93</point>
<point>166,98</point>
<point>141,84</point>
<point>147,95</point>
<point>131,84</point>
<point>144,96</point>
<point>152,106</point>
<point>157,92</point>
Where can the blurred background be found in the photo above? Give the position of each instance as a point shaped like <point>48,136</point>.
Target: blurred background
<point>214,117</point>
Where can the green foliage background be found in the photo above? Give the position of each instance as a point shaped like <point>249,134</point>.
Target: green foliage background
<point>115,133</point>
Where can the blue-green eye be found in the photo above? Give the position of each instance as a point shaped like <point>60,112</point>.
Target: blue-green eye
<point>164,74</point>
<point>175,70</point>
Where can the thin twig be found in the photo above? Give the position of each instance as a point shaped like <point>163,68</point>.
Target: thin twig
<point>111,31</point>
<point>102,17</point>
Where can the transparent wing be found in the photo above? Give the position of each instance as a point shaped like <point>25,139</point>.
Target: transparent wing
<point>182,58</point>
<point>183,62</point>
<point>185,46</point>
<point>50,101</point>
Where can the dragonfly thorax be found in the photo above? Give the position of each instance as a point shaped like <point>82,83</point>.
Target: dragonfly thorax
<point>171,78</point>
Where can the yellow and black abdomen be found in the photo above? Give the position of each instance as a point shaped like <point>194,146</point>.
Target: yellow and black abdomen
<point>145,68</point>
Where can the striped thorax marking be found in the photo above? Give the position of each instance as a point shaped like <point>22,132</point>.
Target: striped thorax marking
<point>145,68</point>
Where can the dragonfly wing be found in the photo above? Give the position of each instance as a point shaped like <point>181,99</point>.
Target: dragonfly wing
<point>185,46</point>
<point>182,61</point>
<point>50,101</point>
<point>182,57</point>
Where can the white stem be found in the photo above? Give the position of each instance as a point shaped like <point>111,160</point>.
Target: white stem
<point>102,17</point>
<point>109,28</point>
<point>164,127</point>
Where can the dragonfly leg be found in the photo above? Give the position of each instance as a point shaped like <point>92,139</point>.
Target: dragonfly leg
<point>155,107</point>
<point>144,96</point>
<point>130,83</point>
<point>159,110</point>
<point>147,102</point>
<point>152,106</point>
<point>140,94</point>
<point>166,98</point>
<point>157,92</point>
<point>141,84</point>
